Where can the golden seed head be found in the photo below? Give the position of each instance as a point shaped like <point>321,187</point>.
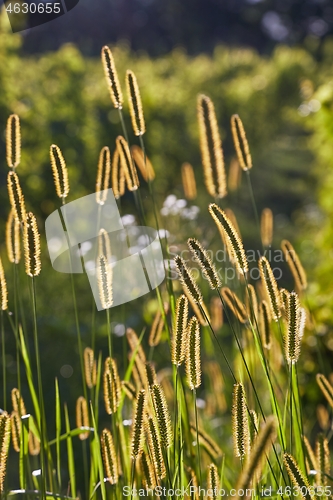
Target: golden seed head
<point>109,457</point>
<point>60,173</point>
<point>266,227</point>
<point>103,175</point>
<point>16,430</point>
<point>264,322</point>
<point>16,197</point>
<point>187,280</point>
<point>269,282</point>
<point>323,459</point>
<point>294,264</point>
<point>151,374</point>
<point>213,481</point>
<point>127,164</point>
<point>82,416</point>
<point>31,244</point>
<point>112,387</point>
<point>112,79</point>
<point>135,345</point>
<point>104,244</point>
<point>33,443</point>
<point>310,457</point>
<point>226,227</point>
<point>325,387</point>
<point>192,356</point>
<point>104,280</point>
<point>13,141</point>
<point>147,471</point>
<point>240,424</point>
<point>297,477</point>
<point>155,448</point>
<point>216,312</point>
<point>3,289</point>
<point>251,303</point>
<point>240,143</point>
<point>157,326</point>
<point>235,175</point>
<point>117,176</point>
<point>162,415</point>
<point>200,312</point>
<point>188,180</point>
<point>204,261</point>
<point>211,148</point>
<point>129,389</point>
<point>211,447</point>
<point>143,163</point>
<point>253,425</point>
<point>13,243</point>
<point>293,339</point>
<point>234,304</point>
<point>138,424</point>
<point>5,425</point>
<point>18,402</point>
<point>135,104</point>
<point>178,343</point>
<point>284,299</point>
<point>90,368</point>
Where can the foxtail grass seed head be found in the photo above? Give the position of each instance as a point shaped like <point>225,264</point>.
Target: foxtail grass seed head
<point>325,387</point>
<point>151,374</point>
<point>4,446</point>
<point>112,79</point>
<point>211,148</point>
<point>112,387</point>
<point>235,175</point>
<point>240,424</point>
<point>104,244</point>
<point>226,227</point>
<point>204,261</point>
<point>13,243</point>
<point>253,466</point>
<point>293,339</point>
<point>16,197</point>
<point>323,459</point>
<point>155,448</point>
<point>310,457</point>
<point>33,444</point>
<point>103,175</point>
<point>82,418</point>
<point>323,417</point>
<point>143,163</point>
<point>147,471</point>
<point>251,303</point>
<point>156,331</point>
<point>284,300</point>
<point>109,457</point>
<point>233,219</point>
<point>266,227</point>
<point>3,289</point>
<point>138,424</point>
<point>294,264</point>
<point>269,282</point>
<point>135,345</point>
<point>187,280</point>
<point>135,104</point>
<point>188,180</point>
<point>162,415</point>
<point>13,141</point>
<point>117,176</point>
<point>179,331</point>
<point>192,357</point>
<point>213,481</point>
<point>31,243</point>
<point>104,280</point>
<point>240,143</point>
<point>127,164</point>
<point>216,313</point>
<point>264,322</point>
<point>129,389</point>
<point>90,367</point>
<point>210,446</point>
<point>59,170</point>
<point>16,430</point>
<point>297,477</point>
<point>234,304</point>
<point>18,402</point>
<point>253,425</point>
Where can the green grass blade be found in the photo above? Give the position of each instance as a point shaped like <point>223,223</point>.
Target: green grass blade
<point>70,453</point>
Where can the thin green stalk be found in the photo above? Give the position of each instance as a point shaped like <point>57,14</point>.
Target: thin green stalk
<point>197,430</point>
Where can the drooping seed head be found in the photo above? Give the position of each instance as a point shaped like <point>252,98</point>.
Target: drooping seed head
<point>112,387</point>
<point>162,415</point>
<point>135,345</point>
<point>127,164</point>
<point>16,430</point>
<point>104,280</point>
<point>187,280</point>
<point>157,327</point>
<point>266,227</point>
<point>13,141</point>
<point>59,170</point>
<point>13,243</point>
<point>112,79</point>
<point>205,440</point>
<point>143,163</point>
<point>178,345</point>
<point>103,175</point>
<point>294,264</point>
<point>82,418</point>
<point>213,481</point>
<point>33,443</point>
<point>192,357</point>
<point>31,244</point>
<point>109,457</point>
<point>293,339</point>
<point>155,448</point>
<point>138,424</point>
<point>204,261</point>
<point>325,387</point>
<point>224,225</point>
<point>188,180</point>
<point>269,282</point>
<point>240,143</point>
<point>16,197</point>
<point>18,402</point>
<point>240,424</point>
<point>90,368</point>
<point>264,322</point>
<point>135,104</point>
<point>297,477</point>
<point>234,304</point>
